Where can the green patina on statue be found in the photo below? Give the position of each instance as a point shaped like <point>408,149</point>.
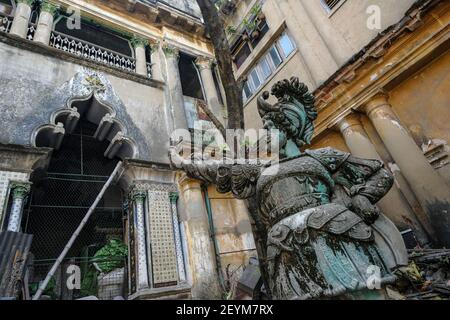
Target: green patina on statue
<point>323,235</point>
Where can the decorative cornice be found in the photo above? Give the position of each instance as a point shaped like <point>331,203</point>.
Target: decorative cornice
<point>48,6</point>
<point>137,41</point>
<point>379,46</point>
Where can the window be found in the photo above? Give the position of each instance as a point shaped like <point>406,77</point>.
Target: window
<point>190,81</point>
<point>6,7</point>
<point>255,78</point>
<point>329,5</point>
<point>242,54</point>
<point>264,67</point>
<point>275,56</point>
<point>247,92</point>
<point>267,65</point>
<point>286,45</point>
<point>248,39</point>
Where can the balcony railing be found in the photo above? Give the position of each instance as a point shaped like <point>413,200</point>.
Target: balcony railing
<point>80,48</point>
<point>5,23</point>
<point>92,52</point>
<point>31,31</point>
<point>149,70</point>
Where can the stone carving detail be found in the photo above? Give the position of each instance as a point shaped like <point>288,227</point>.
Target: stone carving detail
<point>317,212</point>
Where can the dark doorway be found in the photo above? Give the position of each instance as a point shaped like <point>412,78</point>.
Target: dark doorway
<point>60,199</point>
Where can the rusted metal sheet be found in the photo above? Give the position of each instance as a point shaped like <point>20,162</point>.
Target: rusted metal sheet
<point>14,249</point>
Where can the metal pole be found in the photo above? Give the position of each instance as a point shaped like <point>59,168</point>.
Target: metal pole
<point>75,234</point>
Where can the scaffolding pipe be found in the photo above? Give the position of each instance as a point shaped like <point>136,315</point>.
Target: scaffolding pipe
<point>72,239</point>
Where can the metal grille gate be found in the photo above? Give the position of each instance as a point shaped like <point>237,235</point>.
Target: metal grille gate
<point>60,199</point>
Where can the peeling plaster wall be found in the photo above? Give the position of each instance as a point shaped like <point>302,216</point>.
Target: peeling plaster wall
<point>33,86</point>
<point>423,102</point>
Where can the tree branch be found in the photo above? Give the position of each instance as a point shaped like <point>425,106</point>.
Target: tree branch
<point>214,25</point>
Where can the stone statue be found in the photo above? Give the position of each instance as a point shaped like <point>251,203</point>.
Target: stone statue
<point>325,237</point>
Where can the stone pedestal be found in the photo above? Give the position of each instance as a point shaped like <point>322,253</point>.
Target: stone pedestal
<point>22,15</point>
<point>392,204</point>
<point>430,189</point>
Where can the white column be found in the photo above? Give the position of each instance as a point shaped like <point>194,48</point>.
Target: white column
<point>174,88</point>
<point>19,192</point>
<point>138,197</point>
<point>22,15</point>
<point>177,236</point>
<point>45,23</point>
<point>141,60</point>
<point>392,204</point>
<point>204,65</point>
<point>429,187</point>
<point>155,49</point>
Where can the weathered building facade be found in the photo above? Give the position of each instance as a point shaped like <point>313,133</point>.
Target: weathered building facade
<point>85,84</point>
<point>378,70</point>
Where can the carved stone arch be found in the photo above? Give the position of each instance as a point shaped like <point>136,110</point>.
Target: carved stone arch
<point>94,109</point>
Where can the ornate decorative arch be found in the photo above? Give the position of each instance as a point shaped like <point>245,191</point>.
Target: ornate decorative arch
<point>95,109</point>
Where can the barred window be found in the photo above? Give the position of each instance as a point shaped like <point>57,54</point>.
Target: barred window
<point>330,5</point>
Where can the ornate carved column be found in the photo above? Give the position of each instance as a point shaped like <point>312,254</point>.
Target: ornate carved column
<point>141,60</point>
<point>202,257</point>
<point>22,15</point>
<point>177,236</point>
<point>45,23</point>
<point>19,192</point>
<point>138,196</point>
<point>155,48</point>
<point>174,88</point>
<point>430,188</point>
<point>393,203</point>
<point>204,65</point>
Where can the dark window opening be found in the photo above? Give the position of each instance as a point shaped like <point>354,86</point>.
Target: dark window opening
<point>6,7</point>
<point>190,81</point>
<point>96,34</point>
<point>242,54</point>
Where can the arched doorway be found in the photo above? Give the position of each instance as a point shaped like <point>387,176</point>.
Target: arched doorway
<point>59,200</point>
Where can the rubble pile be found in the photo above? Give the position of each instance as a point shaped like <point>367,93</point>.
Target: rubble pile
<point>427,277</point>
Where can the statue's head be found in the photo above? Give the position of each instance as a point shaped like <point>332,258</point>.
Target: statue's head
<point>292,115</point>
